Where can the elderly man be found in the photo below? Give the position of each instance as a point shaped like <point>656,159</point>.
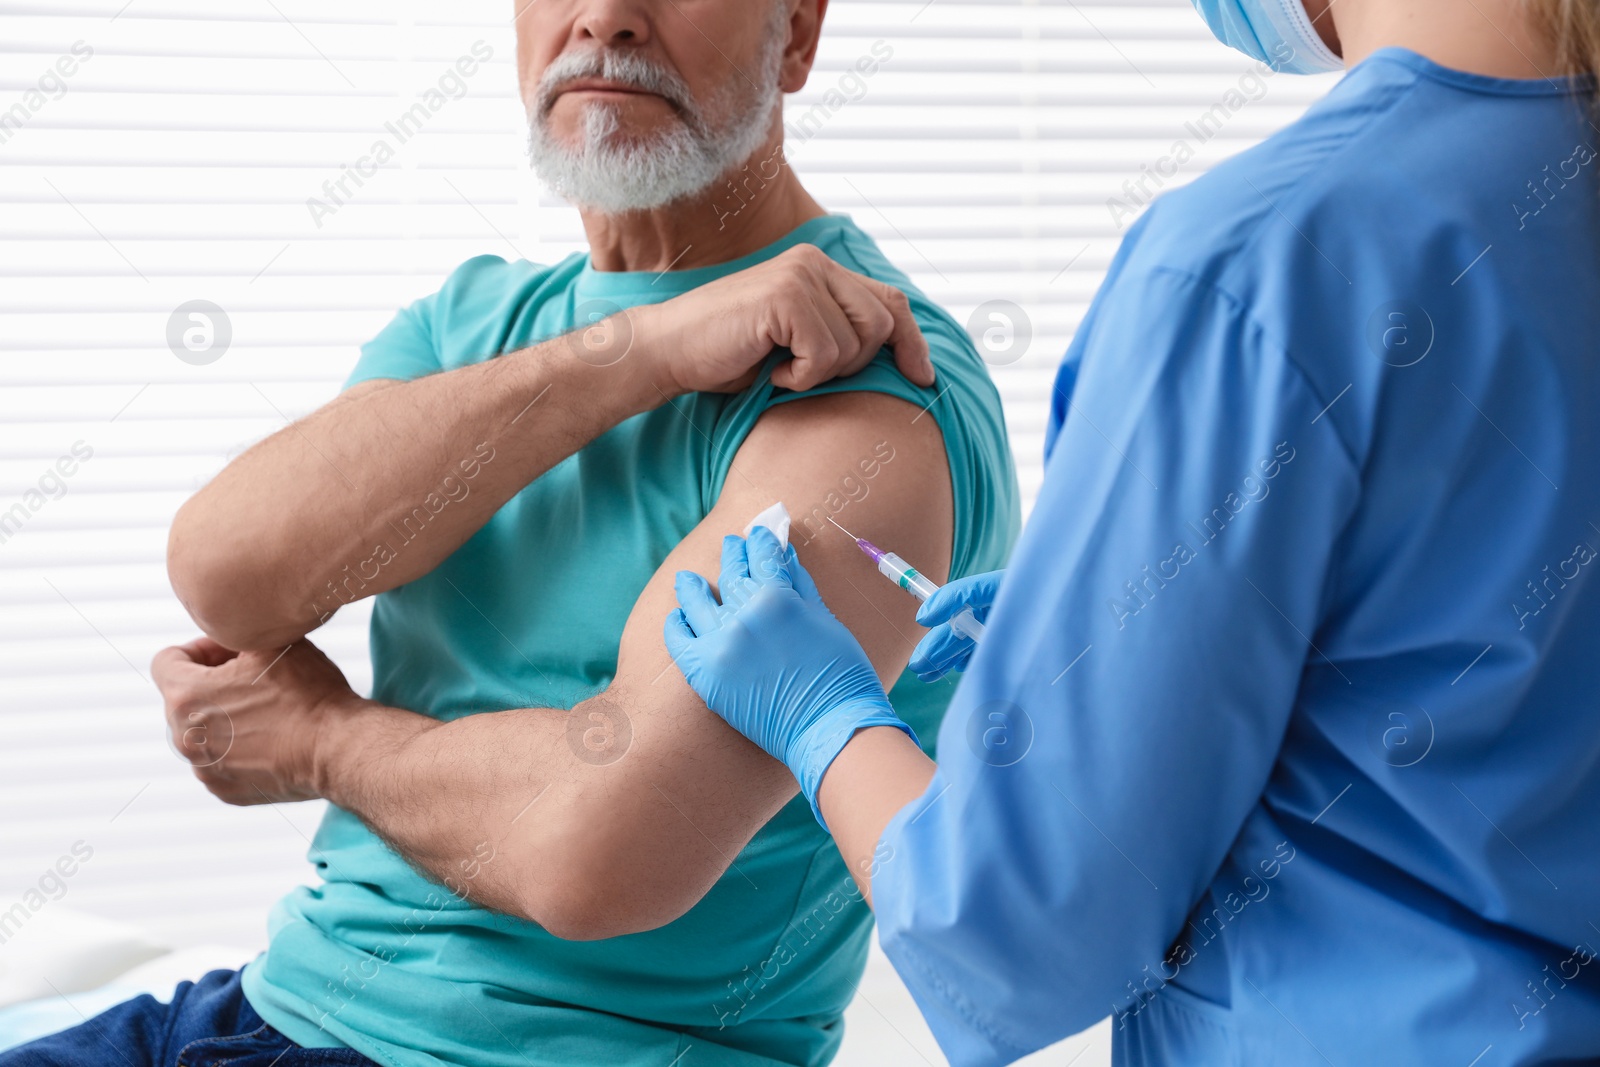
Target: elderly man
<point>541,848</point>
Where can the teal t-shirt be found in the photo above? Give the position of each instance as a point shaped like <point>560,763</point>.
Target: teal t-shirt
<point>528,613</point>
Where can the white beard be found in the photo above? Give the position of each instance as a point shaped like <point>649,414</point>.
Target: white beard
<point>613,175</point>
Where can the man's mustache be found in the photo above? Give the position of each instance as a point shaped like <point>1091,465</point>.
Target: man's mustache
<point>624,68</point>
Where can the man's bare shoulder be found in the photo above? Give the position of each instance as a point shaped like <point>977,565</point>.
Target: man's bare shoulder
<point>848,448</point>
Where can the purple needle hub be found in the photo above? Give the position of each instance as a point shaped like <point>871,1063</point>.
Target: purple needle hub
<point>870,549</point>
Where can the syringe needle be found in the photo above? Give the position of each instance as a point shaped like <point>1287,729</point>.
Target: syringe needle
<point>842,530</point>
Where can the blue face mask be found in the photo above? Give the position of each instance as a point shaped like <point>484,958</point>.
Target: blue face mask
<point>1277,32</point>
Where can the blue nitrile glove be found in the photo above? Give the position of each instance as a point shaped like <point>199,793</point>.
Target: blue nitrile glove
<point>773,661</point>
<point>944,650</point>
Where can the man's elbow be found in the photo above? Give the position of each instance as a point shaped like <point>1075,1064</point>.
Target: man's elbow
<point>594,913</point>
<point>594,919</point>
<point>224,596</point>
<point>605,893</point>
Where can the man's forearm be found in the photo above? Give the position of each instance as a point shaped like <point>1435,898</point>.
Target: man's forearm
<point>377,488</point>
<point>493,806</point>
<point>490,806</point>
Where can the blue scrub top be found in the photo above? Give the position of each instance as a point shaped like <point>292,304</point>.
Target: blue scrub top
<point>1283,746</point>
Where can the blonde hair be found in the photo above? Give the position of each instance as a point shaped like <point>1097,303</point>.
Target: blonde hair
<point>1574,25</point>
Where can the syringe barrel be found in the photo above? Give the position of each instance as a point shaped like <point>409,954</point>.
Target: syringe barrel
<point>906,576</point>
<point>967,625</point>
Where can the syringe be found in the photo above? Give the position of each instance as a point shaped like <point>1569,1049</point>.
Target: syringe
<point>901,573</point>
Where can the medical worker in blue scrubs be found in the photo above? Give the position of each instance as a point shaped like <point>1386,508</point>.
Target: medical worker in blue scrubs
<point>1283,745</point>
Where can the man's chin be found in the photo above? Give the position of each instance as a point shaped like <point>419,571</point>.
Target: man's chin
<point>623,170</point>
<point>617,144</point>
<point>635,117</point>
<point>615,201</point>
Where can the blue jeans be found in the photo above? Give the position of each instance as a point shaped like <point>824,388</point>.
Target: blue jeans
<point>207,1024</point>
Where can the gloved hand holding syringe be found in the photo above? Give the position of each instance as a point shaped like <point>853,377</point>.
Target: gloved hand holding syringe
<point>790,676</point>
<point>907,577</point>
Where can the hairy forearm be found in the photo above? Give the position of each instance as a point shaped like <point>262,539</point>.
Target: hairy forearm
<point>879,772</point>
<point>374,490</point>
<point>444,795</point>
<point>501,808</point>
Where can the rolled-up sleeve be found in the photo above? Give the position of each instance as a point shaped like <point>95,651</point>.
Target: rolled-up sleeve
<point>1127,706</point>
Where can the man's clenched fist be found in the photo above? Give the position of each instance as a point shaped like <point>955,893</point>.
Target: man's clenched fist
<point>248,722</point>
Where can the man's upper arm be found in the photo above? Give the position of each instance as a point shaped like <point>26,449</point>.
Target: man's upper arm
<point>689,792</point>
